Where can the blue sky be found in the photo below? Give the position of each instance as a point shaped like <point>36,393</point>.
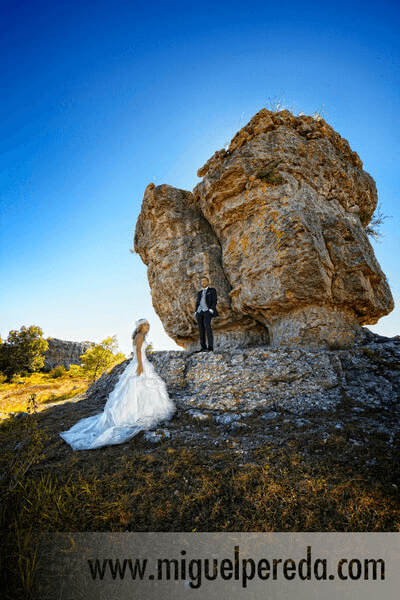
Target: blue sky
<point>100,99</point>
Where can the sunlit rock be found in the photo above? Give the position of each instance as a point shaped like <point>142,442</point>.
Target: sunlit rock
<point>278,225</point>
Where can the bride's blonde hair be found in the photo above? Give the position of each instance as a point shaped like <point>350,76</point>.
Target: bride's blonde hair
<point>138,328</point>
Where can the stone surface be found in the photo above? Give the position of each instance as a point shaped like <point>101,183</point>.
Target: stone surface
<point>277,224</point>
<point>64,353</point>
<point>261,395</point>
<point>179,247</point>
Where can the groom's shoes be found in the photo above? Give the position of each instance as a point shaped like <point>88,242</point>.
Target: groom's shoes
<point>210,349</point>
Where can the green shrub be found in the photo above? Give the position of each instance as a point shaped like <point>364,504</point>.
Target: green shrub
<point>76,371</point>
<point>100,357</point>
<point>269,175</point>
<point>58,371</point>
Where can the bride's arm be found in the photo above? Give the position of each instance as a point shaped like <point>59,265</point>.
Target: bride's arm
<point>139,343</point>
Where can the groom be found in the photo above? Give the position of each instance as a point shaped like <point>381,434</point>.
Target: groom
<point>206,304</point>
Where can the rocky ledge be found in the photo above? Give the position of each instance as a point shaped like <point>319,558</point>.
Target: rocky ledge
<point>250,398</point>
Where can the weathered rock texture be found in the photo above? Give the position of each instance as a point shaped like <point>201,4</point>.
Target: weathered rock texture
<point>63,353</point>
<point>277,225</point>
<point>178,245</point>
<point>261,395</point>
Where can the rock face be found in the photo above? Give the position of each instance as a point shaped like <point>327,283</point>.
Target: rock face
<point>62,353</point>
<point>178,245</point>
<point>277,225</point>
<point>298,379</point>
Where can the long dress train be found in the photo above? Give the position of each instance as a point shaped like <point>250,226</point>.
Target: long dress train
<point>137,403</point>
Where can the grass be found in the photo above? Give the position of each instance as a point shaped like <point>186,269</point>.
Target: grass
<point>269,175</point>
<point>309,484</point>
<point>15,396</point>
<point>183,491</point>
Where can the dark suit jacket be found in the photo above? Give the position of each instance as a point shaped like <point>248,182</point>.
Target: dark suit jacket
<point>211,300</point>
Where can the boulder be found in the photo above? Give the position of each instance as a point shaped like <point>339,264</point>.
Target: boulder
<point>277,224</point>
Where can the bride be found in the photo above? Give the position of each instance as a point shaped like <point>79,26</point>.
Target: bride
<point>138,402</point>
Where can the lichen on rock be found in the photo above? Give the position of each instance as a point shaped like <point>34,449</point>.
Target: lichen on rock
<point>275,225</point>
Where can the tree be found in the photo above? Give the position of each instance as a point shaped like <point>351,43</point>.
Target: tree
<point>100,357</point>
<point>23,351</point>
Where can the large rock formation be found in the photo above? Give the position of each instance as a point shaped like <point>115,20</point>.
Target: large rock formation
<point>277,225</point>
<point>63,353</point>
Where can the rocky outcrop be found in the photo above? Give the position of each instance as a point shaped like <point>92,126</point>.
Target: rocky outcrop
<point>297,379</point>
<point>63,353</point>
<point>261,395</point>
<point>278,226</point>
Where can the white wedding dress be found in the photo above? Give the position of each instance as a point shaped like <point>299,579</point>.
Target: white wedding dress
<point>137,403</point>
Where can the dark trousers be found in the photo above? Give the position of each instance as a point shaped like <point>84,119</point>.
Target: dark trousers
<point>204,323</point>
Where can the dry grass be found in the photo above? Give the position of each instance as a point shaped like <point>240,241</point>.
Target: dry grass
<point>306,485</point>
<point>14,396</point>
